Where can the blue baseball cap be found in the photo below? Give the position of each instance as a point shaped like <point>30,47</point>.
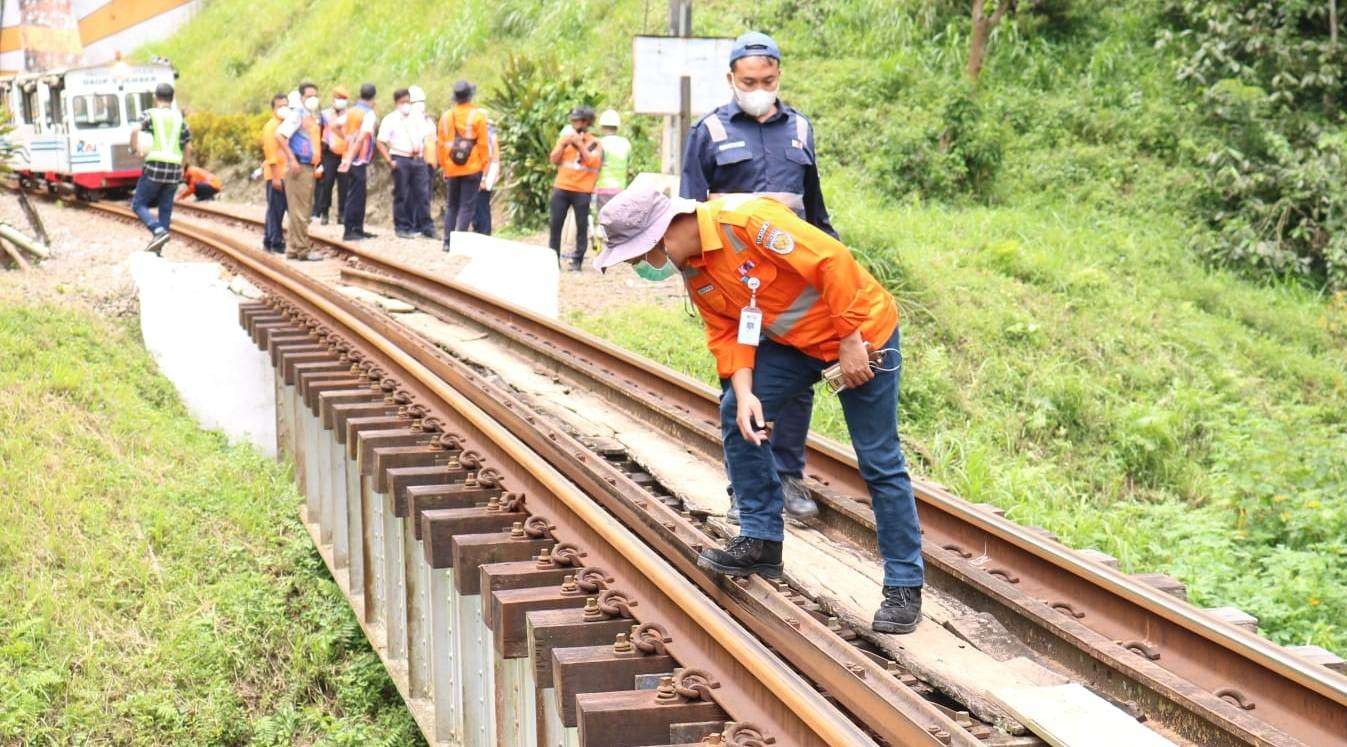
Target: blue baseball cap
<point>754,44</point>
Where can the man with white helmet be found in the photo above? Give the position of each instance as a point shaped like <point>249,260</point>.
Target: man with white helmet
<point>403,136</point>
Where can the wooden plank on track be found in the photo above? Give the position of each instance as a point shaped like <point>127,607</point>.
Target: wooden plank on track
<point>1071,716</point>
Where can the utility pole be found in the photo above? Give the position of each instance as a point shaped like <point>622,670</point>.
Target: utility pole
<point>680,24</point>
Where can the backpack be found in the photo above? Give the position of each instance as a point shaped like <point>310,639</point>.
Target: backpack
<point>460,150</point>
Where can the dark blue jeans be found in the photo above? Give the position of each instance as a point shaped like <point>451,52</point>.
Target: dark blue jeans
<point>273,237</point>
<point>481,218</point>
<point>780,374</point>
<point>150,192</point>
<point>460,202</point>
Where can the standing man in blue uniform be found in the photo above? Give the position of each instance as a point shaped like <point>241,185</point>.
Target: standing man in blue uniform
<point>756,144</point>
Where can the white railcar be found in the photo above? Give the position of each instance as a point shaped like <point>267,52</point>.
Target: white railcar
<point>72,128</point>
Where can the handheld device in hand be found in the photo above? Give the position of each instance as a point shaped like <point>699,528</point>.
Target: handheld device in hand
<point>832,375</point>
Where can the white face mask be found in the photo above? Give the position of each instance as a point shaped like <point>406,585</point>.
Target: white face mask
<point>311,103</point>
<point>339,104</point>
<point>419,108</point>
<point>404,109</point>
<point>755,103</point>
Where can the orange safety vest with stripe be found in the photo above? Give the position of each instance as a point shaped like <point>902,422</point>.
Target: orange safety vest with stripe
<point>468,121</point>
<point>812,291</point>
<point>194,175</point>
<point>579,170</point>
<point>334,137</point>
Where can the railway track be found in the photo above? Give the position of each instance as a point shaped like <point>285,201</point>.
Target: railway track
<point>411,460</point>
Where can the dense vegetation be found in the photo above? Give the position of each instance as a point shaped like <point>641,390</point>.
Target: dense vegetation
<point>1068,356</point>
<point>146,603</point>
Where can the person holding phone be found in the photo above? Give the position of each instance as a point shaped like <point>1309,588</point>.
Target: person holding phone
<point>782,301</point>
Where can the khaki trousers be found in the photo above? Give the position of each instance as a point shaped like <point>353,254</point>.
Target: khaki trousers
<point>299,186</point>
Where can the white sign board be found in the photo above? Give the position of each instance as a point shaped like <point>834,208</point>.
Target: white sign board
<point>659,62</point>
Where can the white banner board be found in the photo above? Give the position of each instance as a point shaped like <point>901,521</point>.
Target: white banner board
<point>658,62</point>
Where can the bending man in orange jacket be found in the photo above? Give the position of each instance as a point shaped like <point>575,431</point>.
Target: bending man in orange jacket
<point>782,301</point>
<point>199,183</point>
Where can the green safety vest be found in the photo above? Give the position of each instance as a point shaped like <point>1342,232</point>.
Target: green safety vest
<point>166,124</point>
<point>616,154</point>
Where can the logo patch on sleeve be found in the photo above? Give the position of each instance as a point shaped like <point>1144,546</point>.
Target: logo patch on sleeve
<point>781,242</point>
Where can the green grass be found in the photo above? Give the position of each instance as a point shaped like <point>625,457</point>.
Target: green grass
<point>158,586</point>
<point>1064,365</point>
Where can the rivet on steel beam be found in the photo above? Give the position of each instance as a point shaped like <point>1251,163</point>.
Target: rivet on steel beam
<point>592,611</point>
<point>857,670</point>
<point>517,530</point>
<point>492,503</point>
<point>665,693</point>
<point>544,559</point>
<point>470,481</point>
<point>668,525</point>
<point>568,585</point>
<point>622,645</point>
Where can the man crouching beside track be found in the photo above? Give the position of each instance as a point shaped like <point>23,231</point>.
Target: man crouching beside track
<point>782,301</point>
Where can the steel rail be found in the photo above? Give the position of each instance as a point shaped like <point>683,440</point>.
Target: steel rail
<point>1299,698</point>
<point>800,698</point>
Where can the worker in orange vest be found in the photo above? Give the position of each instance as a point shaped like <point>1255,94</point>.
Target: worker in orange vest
<point>784,304</point>
<point>331,122</point>
<point>273,172</point>
<point>464,155</point>
<point>199,183</point>
<point>361,121</point>
<point>578,156</point>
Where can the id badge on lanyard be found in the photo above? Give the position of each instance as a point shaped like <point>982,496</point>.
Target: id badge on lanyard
<point>750,317</point>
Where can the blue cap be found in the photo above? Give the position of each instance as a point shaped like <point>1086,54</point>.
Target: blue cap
<point>754,44</point>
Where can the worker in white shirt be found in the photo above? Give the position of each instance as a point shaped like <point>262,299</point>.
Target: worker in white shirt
<point>402,141</point>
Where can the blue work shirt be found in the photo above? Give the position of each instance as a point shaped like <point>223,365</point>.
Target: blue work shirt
<point>756,157</point>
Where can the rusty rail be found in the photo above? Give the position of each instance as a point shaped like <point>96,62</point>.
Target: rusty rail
<point>1208,680</point>
<point>644,544</point>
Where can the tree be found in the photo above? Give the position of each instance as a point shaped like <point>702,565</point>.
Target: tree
<point>982,31</point>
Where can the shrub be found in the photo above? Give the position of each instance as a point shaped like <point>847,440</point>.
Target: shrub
<point>955,153</point>
<point>226,139</point>
<point>531,106</point>
<point>1270,77</point>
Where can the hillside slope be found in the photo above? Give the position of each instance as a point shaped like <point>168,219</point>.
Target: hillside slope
<point>1066,356</point>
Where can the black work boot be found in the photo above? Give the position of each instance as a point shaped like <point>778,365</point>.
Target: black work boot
<point>732,516</point>
<point>900,611</point>
<point>799,505</point>
<point>744,556</point>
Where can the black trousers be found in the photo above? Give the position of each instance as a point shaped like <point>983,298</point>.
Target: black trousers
<point>460,203</point>
<point>481,218</point>
<point>562,200</point>
<point>353,215</point>
<point>205,192</point>
<point>322,196</point>
<point>273,238</point>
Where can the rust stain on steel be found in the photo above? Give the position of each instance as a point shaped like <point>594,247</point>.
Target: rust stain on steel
<point>1300,700</point>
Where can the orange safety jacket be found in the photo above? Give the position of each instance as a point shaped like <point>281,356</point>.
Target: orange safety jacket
<point>468,121</point>
<point>334,137</point>
<point>578,171</point>
<point>811,291</point>
<point>194,175</point>
<point>273,161</point>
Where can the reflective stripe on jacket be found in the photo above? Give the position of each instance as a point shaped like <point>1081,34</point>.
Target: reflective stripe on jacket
<point>578,171</point>
<point>812,291</point>
<point>468,121</point>
<point>616,156</point>
<point>166,129</point>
